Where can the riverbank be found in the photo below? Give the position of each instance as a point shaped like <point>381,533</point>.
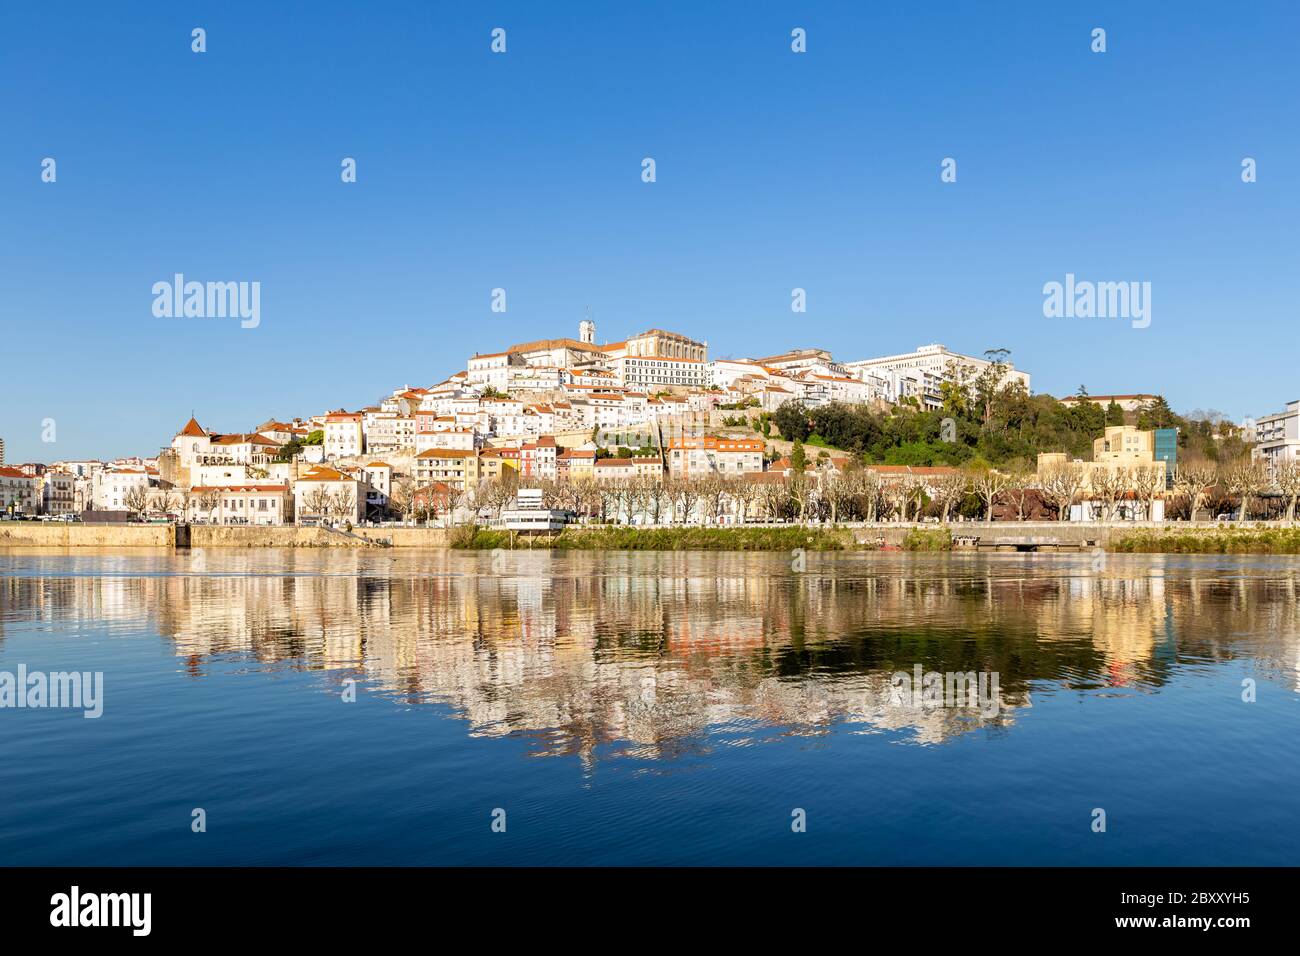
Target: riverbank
<point>1175,538</point>
<point>1261,540</point>
<point>661,539</point>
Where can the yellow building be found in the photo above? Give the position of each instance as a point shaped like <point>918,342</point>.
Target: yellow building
<point>453,466</point>
<point>1121,447</point>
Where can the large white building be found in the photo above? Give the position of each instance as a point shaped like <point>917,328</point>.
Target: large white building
<point>17,492</point>
<point>344,434</point>
<point>920,374</point>
<point>1277,437</point>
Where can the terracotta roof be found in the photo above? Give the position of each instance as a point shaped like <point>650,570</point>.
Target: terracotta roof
<point>193,429</point>
<point>197,489</point>
<point>324,473</point>
<point>446,453</point>
<point>543,344</point>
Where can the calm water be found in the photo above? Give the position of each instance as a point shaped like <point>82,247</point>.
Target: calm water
<point>650,708</point>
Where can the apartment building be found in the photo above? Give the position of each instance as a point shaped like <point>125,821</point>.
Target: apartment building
<point>537,459</point>
<point>1277,438</point>
<point>325,492</point>
<point>698,456</point>
<point>649,374</point>
<point>18,492</point>
<point>919,374</point>
<point>112,487</point>
<point>575,464</point>
<point>456,467</point>
<point>613,470</point>
<point>344,434</point>
<point>58,493</point>
<point>239,504</point>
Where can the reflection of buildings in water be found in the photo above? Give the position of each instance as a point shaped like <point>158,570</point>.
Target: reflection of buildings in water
<point>648,651</point>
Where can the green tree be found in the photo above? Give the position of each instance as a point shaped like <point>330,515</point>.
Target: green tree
<point>798,459</point>
<point>289,450</point>
<point>792,421</point>
<point>1114,414</point>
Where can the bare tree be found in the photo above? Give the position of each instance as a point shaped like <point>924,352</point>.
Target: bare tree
<point>836,491</point>
<point>988,485</point>
<point>868,488</point>
<point>686,493</point>
<point>1288,482</point>
<point>1061,483</point>
<point>208,502</point>
<point>715,491</point>
<point>1020,488</point>
<point>164,502</point>
<point>657,497</point>
<point>1148,483</point>
<point>401,497</point>
<point>1109,485</point>
<point>569,493</point>
<point>773,497</point>
<point>947,491</point>
<point>455,498</point>
<point>137,500</point>
<point>800,490</point>
<point>1246,479</point>
<point>1191,482</point>
<point>745,492</point>
<point>318,501</point>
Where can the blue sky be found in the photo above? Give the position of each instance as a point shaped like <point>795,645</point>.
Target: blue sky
<point>522,171</point>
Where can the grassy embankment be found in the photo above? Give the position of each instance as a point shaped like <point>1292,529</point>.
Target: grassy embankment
<point>928,539</point>
<point>1210,541</point>
<point>660,539</point>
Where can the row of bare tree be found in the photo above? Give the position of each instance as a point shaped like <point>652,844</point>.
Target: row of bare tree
<point>854,494</point>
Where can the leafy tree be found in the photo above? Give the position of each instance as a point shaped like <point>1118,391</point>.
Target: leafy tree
<point>792,421</point>
<point>1114,414</point>
<point>798,459</point>
<point>289,450</point>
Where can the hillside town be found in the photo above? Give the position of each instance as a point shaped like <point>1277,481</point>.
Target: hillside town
<point>651,430</point>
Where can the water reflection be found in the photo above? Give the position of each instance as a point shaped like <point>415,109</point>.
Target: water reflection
<point>647,653</point>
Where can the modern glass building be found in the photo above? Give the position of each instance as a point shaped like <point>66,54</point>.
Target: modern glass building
<point>1166,450</point>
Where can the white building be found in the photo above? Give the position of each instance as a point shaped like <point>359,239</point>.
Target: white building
<point>111,487</point>
<point>263,504</point>
<point>649,374</point>
<point>18,493</point>
<point>1277,437</point>
<point>326,493</point>
<point>344,434</point>
<point>919,374</point>
<point>58,493</point>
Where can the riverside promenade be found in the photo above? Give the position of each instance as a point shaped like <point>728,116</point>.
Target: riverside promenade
<point>1046,535</point>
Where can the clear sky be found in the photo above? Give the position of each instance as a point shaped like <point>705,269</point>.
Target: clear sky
<point>775,170</point>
